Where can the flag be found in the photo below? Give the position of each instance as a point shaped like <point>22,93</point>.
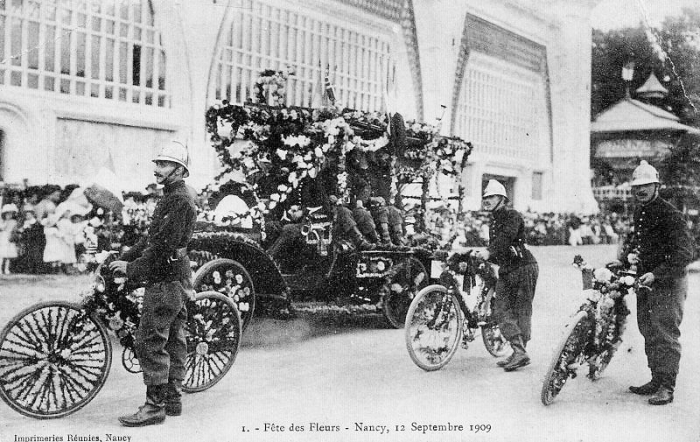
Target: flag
<point>329,90</point>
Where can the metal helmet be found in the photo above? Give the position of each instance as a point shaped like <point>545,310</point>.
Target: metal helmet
<point>645,173</point>
<point>493,187</point>
<point>175,152</point>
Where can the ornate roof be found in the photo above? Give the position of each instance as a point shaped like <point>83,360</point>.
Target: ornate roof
<point>630,115</point>
<point>652,88</point>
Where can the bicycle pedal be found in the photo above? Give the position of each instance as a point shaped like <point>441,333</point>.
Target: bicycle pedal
<point>465,345</point>
<point>481,323</point>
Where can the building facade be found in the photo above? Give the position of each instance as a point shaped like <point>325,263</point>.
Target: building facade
<point>86,84</point>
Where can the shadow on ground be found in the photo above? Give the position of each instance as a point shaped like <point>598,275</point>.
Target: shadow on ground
<point>264,331</point>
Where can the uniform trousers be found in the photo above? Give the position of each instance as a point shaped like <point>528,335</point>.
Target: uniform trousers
<point>515,290</point>
<point>160,339</point>
<point>659,316</point>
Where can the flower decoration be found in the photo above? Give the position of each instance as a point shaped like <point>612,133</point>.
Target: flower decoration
<point>276,149</point>
<point>271,87</point>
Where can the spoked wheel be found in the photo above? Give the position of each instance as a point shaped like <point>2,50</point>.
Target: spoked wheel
<point>130,362</point>
<point>433,328</point>
<point>494,341</point>
<point>54,359</point>
<point>229,278</point>
<point>213,338</point>
<point>404,282</point>
<point>600,361</point>
<point>567,355</point>
<point>496,344</point>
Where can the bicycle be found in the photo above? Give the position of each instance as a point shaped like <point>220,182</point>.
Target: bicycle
<point>55,356</point>
<point>594,333</point>
<point>439,317</point>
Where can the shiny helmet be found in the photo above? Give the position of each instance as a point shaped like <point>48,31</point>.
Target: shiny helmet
<point>175,152</point>
<point>493,187</point>
<point>645,173</point>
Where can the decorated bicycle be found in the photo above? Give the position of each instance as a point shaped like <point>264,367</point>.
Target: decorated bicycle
<point>276,158</point>
<point>55,356</point>
<point>594,333</point>
<point>442,316</point>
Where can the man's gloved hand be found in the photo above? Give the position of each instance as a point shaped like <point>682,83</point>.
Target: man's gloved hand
<point>118,267</point>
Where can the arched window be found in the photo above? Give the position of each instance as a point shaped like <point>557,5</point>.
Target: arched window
<point>263,36</point>
<point>105,49</point>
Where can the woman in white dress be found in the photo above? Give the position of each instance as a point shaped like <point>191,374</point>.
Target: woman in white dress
<point>8,248</point>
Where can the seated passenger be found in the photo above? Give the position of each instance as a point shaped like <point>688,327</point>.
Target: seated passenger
<point>377,207</point>
<point>396,231</point>
<point>346,235</point>
<point>290,239</point>
<point>365,223</point>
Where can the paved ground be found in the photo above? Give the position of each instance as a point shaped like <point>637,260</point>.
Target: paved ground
<point>355,377</point>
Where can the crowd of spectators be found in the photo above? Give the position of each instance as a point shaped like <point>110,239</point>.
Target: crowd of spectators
<point>471,229</point>
<point>45,229</point>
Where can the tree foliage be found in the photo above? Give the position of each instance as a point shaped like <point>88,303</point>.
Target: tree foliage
<point>671,52</point>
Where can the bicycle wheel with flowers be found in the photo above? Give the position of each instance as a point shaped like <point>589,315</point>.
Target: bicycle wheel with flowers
<point>568,356</point>
<point>54,359</point>
<point>433,328</point>
<point>231,279</point>
<point>213,334</point>
<point>402,284</point>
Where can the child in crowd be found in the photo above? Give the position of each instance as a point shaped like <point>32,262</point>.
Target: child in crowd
<point>31,238</point>
<point>8,237</point>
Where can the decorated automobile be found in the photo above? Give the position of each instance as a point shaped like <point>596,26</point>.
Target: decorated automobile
<point>283,233</point>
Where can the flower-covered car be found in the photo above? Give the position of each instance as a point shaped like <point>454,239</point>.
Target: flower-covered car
<point>274,157</point>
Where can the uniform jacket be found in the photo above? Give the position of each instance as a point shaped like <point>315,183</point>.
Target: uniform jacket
<point>661,240</point>
<point>365,223</point>
<point>507,240</point>
<point>162,255</point>
<point>395,219</point>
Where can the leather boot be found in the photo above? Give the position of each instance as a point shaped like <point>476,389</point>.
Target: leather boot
<point>152,412</point>
<point>664,395</point>
<point>173,398</point>
<point>648,388</point>
<point>520,356</point>
<point>506,361</point>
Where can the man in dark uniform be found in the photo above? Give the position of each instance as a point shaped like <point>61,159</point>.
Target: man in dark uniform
<point>364,221</point>
<point>290,239</point>
<point>377,206</point>
<point>396,231</point>
<point>161,260</point>
<point>346,235</point>
<point>517,274</point>
<point>660,247</point>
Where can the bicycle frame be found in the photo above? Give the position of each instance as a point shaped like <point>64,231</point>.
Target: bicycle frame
<point>595,332</point>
